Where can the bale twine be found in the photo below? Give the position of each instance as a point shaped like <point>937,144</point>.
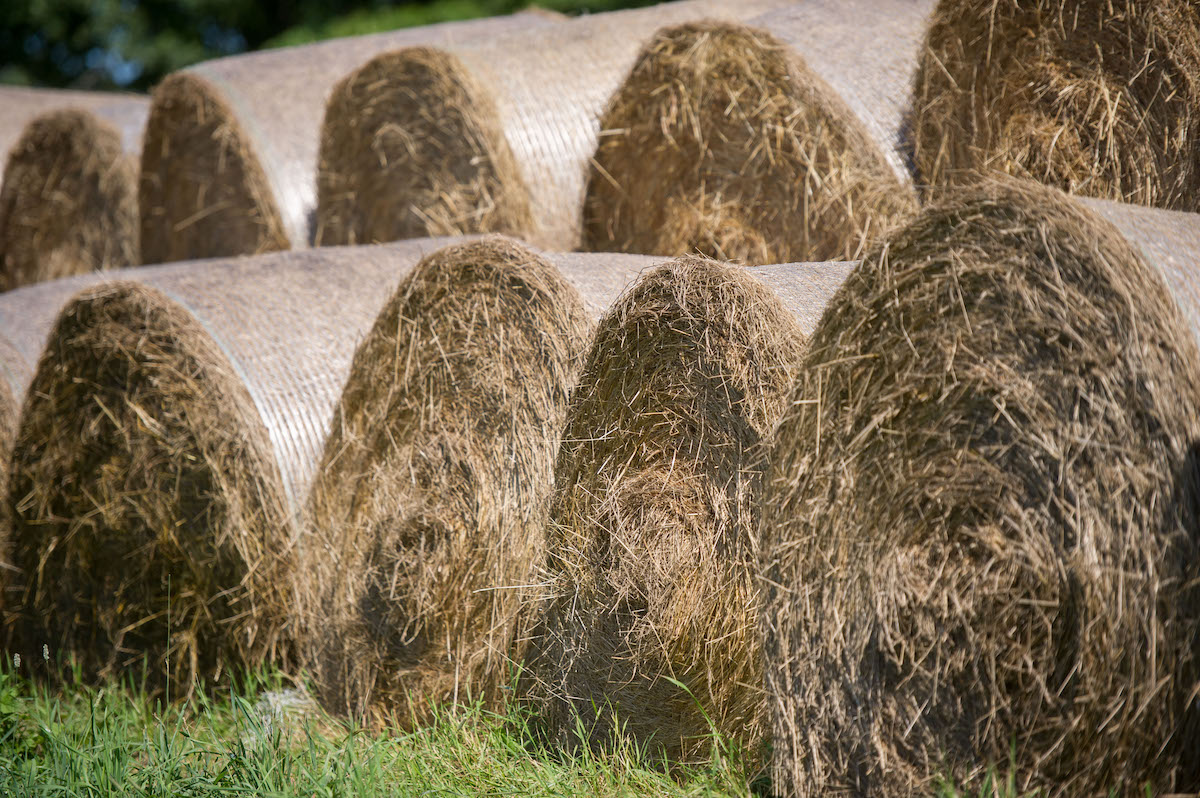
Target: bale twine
<point>1095,97</point>
<point>652,530</point>
<point>780,140</point>
<point>174,422</point>
<point>68,203</point>
<point>483,136</point>
<point>979,528</point>
<point>231,146</point>
<point>429,507</point>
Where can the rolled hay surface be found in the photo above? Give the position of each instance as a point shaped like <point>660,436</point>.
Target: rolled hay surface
<point>774,141</point>
<point>979,534</point>
<point>174,422</point>
<point>68,203</point>
<point>1097,98</point>
<point>652,530</point>
<point>126,112</point>
<point>486,136</point>
<point>230,161</point>
<point>430,504</point>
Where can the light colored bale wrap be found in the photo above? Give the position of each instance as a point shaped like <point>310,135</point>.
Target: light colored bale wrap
<point>486,136</point>
<point>777,140</point>
<point>979,528</point>
<point>68,203</point>
<point>429,507</point>
<point>1095,97</point>
<point>231,146</point>
<point>174,421</point>
<point>652,529</point>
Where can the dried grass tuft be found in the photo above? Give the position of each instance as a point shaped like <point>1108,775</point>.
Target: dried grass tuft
<point>428,510</point>
<point>68,203</point>
<point>1094,97</point>
<point>203,192</point>
<point>651,538</point>
<point>980,519</point>
<point>723,141</point>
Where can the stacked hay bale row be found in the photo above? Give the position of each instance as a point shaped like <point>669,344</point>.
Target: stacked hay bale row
<point>68,203</point>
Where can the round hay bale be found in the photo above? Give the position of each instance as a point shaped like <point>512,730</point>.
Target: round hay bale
<point>1097,98</point>
<point>231,145</point>
<point>68,203</point>
<point>174,421</point>
<point>651,535</point>
<point>492,135</point>
<point>428,510</point>
<point>979,534</point>
<point>775,141</point>
<point>125,112</point>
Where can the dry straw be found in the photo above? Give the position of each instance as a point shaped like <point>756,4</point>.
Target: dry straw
<point>172,422</point>
<point>68,203</point>
<point>483,136</point>
<point>429,508</point>
<point>1096,97</point>
<point>126,112</point>
<point>779,140</point>
<point>650,621</point>
<point>979,526</point>
<point>231,145</point>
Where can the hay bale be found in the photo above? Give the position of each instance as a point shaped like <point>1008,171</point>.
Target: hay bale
<point>651,535</point>
<point>980,539</point>
<point>125,112</point>
<point>778,140</point>
<point>486,136</point>
<point>428,512</point>
<point>1095,97</point>
<point>174,421</point>
<point>231,145</point>
<point>68,203</point>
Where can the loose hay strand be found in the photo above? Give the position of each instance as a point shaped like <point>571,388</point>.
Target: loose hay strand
<point>980,520</point>
<point>652,526</point>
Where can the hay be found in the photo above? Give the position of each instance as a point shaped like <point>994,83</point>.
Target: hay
<point>125,112</point>
<point>428,510</point>
<point>979,529</point>
<point>231,145</point>
<point>174,421</point>
<point>68,203</point>
<point>780,140</point>
<point>1095,97</point>
<point>651,535</point>
<point>486,136</point>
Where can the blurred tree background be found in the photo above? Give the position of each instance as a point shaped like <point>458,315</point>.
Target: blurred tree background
<point>132,44</point>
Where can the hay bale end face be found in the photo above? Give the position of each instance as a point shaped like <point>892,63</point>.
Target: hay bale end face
<point>427,514</point>
<point>203,192</point>
<point>979,532</point>
<point>1097,98</point>
<point>650,541</point>
<point>68,203</point>
<point>141,455</point>
<point>723,141</point>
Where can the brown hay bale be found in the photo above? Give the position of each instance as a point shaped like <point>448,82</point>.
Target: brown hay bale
<point>68,203</point>
<point>1097,98</point>
<point>486,136</point>
<point>126,112</point>
<point>651,535</point>
<point>231,145</point>
<point>428,510</point>
<point>775,141</point>
<point>980,542</point>
<point>174,421</point>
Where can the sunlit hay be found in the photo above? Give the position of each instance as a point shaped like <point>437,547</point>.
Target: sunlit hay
<point>1097,98</point>
<point>202,191</point>
<point>723,141</point>
<point>382,180</point>
<point>68,203</point>
<point>149,515</point>
<point>428,510</point>
<point>651,538</point>
<point>979,523</point>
